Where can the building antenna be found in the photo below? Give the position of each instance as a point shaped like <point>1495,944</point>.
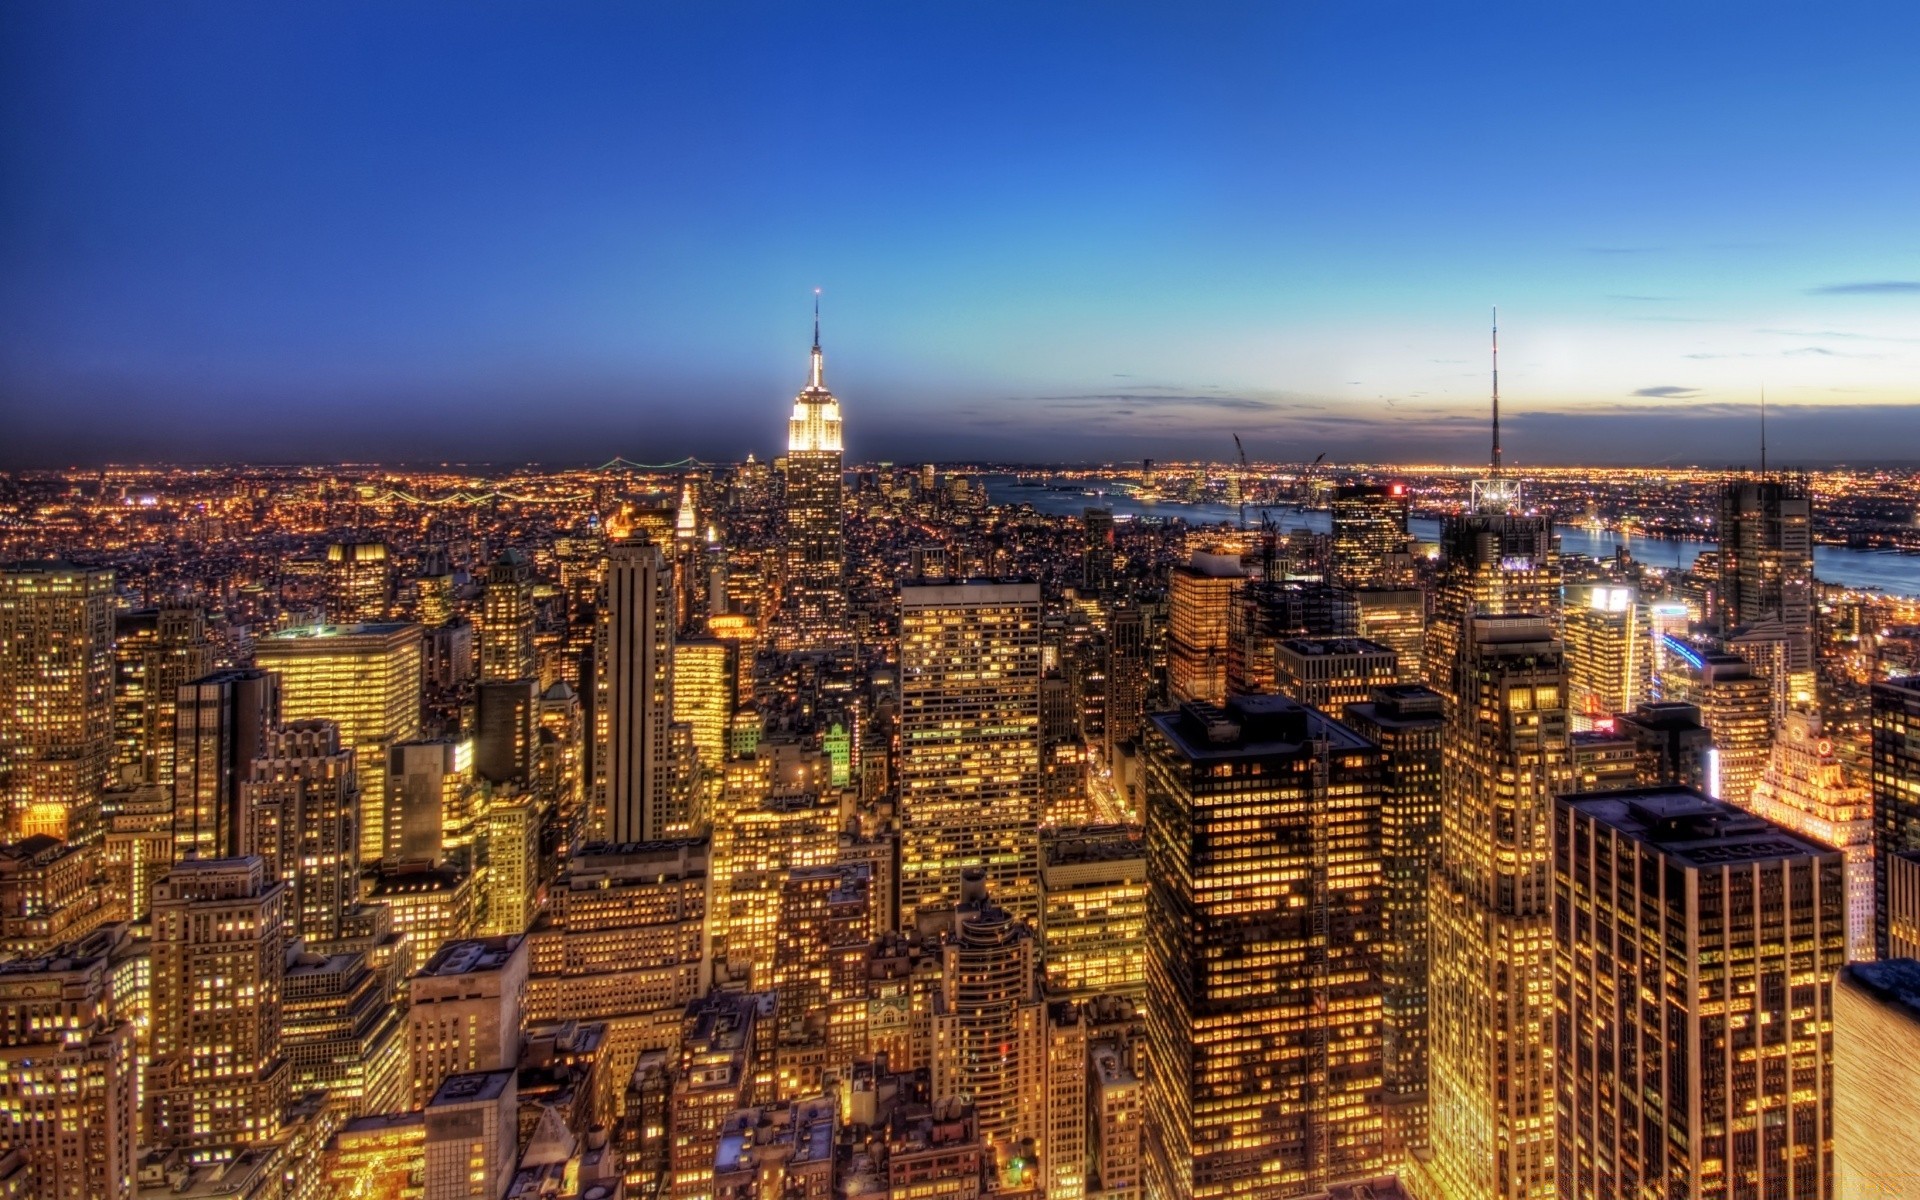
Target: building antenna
<point>1763,431</point>
<point>1496,391</point>
<point>816,318</point>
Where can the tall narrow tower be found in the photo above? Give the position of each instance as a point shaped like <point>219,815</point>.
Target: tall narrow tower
<point>814,609</point>
<point>633,698</point>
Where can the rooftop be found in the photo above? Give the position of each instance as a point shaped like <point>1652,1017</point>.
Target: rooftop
<point>1894,981</point>
<point>1251,727</point>
<point>469,1086</point>
<point>473,954</point>
<point>1692,827</point>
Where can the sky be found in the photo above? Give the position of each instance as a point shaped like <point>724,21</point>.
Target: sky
<point>512,232</point>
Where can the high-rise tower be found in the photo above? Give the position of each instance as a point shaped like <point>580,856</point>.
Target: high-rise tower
<point>56,691</point>
<point>1490,989</point>
<point>814,609</point>
<point>633,699</point>
<point>506,620</point>
<point>1766,572</point>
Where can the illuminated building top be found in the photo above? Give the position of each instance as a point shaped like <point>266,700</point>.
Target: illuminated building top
<point>816,414</point>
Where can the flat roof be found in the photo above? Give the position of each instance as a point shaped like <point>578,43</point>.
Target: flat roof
<point>1893,981</point>
<point>472,954</point>
<point>469,1086</point>
<point>1252,727</point>
<point>1692,827</point>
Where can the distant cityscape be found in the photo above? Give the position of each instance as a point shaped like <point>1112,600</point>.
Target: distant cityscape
<point>780,829</point>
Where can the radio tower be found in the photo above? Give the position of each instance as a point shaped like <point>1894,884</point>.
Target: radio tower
<point>1496,391</point>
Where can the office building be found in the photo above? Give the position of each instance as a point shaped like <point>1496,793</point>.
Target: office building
<point>1806,790</point>
<point>466,1011</point>
<point>366,680</point>
<point>1497,562</point>
<point>506,620</point>
<point>989,1025</point>
<point>154,652</point>
<point>221,725</point>
<point>430,904</point>
<point>813,606</point>
<point>753,849</point>
<point>359,582</point>
<point>970,742</point>
<point>1397,619</point>
<point>632,760</point>
<point>1370,536</point>
<point>1097,559</point>
<point>1093,911</point>
<point>506,741</point>
<point>1490,1035</point>
<point>714,1080</point>
<point>704,688</point>
<point>1671,744</point>
<point>1608,653</point>
<point>50,893</point>
<point>1264,922</point>
<point>342,1034</point>
<point>432,803</point>
<point>300,796</point>
<point>217,1078</point>
<point>1876,1080</point>
<point>56,687</point>
<point>69,1090</point>
<point>472,1136</point>
<point>1128,675</point>
<point>1694,952</point>
<point>1766,563</point>
<point>513,862</point>
<point>1329,673</point>
<point>1200,595</point>
<point>1896,798</point>
<point>137,841</point>
<point>1736,707</point>
<point>829,917</point>
<point>1407,722</point>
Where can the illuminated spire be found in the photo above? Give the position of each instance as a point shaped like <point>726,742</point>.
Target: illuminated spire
<point>1496,391</point>
<point>819,365</point>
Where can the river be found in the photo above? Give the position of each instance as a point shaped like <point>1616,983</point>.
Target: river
<point>1898,574</point>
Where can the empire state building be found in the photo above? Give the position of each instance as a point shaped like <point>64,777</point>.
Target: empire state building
<point>813,611</point>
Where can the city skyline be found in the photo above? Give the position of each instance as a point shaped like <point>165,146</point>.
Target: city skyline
<point>496,236</point>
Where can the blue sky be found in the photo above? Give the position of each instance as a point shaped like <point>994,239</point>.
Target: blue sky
<point>560,231</point>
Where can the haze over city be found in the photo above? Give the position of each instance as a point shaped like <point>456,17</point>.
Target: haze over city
<point>494,233</point>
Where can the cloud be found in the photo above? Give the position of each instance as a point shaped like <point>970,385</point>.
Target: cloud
<point>1668,392</point>
<point>1837,333</point>
<point>1874,287</point>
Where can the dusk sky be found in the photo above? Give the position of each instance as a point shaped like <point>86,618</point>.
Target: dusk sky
<point>560,232</point>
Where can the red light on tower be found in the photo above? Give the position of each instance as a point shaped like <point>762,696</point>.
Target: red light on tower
<point>1399,489</point>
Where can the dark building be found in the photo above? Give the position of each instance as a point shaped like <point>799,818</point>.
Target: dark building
<point>1896,790</point>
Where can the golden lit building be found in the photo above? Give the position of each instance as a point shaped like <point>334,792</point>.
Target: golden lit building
<point>217,1077</point>
<point>359,582</point>
<point>342,1034</point>
<point>433,806</point>
<point>1407,721</point>
<point>506,620</point>
<point>69,1087</point>
<point>1876,1080</point>
<point>1736,705</point>
<point>632,759</point>
<point>1766,564</point>
<point>1491,971</point>
<point>1496,562</point>
<point>814,606</point>
<point>300,797</point>
<point>828,920</point>
<point>466,1011</point>
<point>431,905</point>
<point>1608,653</point>
<point>1200,596</point>
<point>154,652</point>
<point>970,742</point>
<point>703,695</point>
<point>221,725</point>
<point>1397,619</point>
<point>714,1080</point>
<point>1093,911</point>
<point>1806,790</point>
<point>56,691</point>
<point>753,850</point>
<point>1694,953</point>
<point>513,863</point>
<point>990,1027</point>
<point>1265,912</point>
<point>366,680</point>
<point>1370,536</point>
<point>51,892</point>
<point>379,1157</point>
<point>137,846</point>
<point>1329,673</point>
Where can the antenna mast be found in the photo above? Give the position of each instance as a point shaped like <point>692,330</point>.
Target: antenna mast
<point>1763,431</point>
<point>1496,391</point>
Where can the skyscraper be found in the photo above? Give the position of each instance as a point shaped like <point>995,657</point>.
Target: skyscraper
<point>217,1078</point>
<point>1896,793</point>
<point>506,620</point>
<point>1694,954</point>
<point>814,606</point>
<point>56,691</point>
<point>1407,722</point>
<point>1766,565</point>
<point>221,725</point>
<point>1806,790</point>
<point>366,680</point>
<point>1331,673</point>
<point>359,581</point>
<point>633,699</point>
<point>1263,934</point>
<point>1199,596</point>
<point>301,796</point>
<point>970,742</point>
<point>1736,706</point>
<point>1370,536</point>
<point>1506,757</point>
<point>1097,558</point>
<point>1608,653</point>
<point>154,652</point>
<point>1497,562</point>
<point>1876,1079</point>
